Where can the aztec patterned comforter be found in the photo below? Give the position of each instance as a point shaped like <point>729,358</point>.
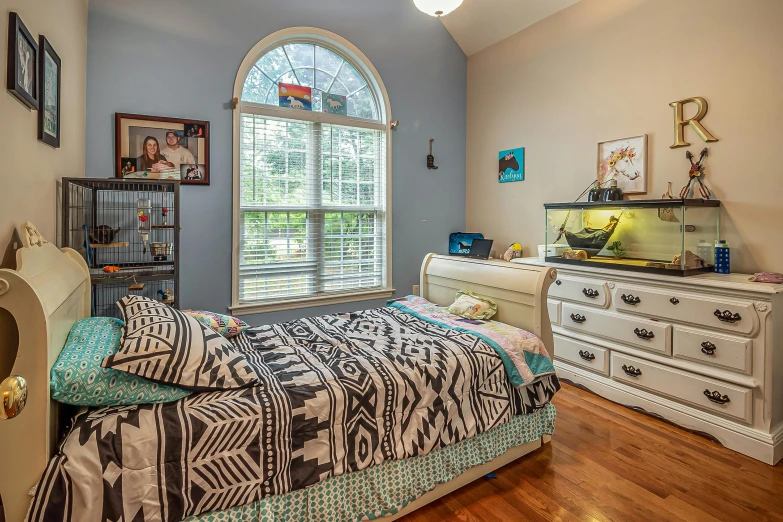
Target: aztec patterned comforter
<point>341,393</point>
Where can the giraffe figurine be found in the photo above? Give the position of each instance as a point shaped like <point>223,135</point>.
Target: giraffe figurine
<point>695,175</point>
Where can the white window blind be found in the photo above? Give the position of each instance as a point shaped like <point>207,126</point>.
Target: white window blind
<point>312,213</point>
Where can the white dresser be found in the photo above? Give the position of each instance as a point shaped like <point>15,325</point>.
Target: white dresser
<point>703,352</point>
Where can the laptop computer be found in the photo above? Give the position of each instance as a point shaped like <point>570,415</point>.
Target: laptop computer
<point>480,249</point>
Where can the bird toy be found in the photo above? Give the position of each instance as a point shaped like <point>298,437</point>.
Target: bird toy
<point>143,227</point>
<point>695,175</point>
<point>164,211</point>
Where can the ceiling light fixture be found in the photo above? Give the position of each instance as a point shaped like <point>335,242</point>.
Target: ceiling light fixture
<point>437,7</point>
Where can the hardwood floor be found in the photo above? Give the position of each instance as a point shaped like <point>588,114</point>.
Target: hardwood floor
<point>607,462</point>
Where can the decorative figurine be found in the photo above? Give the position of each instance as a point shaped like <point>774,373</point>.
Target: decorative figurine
<point>513,252</point>
<point>695,175</point>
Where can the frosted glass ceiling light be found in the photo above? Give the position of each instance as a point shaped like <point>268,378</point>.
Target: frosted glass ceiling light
<point>437,7</point>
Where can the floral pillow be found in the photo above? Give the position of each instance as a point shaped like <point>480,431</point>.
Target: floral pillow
<point>77,377</point>
<point>225,325</point>
<point>472,306</point>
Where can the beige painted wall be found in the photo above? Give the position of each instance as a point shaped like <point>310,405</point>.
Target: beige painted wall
<point>29,169</point>
<point>606,69</point>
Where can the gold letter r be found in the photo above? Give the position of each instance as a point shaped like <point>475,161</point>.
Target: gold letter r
<point>680,122</point>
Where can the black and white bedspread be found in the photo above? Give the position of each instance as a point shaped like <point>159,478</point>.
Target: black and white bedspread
<point>339,393</point>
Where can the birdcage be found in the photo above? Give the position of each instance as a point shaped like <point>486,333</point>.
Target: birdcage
<point>128,233</point>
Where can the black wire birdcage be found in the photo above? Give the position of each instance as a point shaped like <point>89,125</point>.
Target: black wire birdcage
<point>128,233</point>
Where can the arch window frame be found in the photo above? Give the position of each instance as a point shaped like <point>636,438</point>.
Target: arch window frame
<point>353,56</point>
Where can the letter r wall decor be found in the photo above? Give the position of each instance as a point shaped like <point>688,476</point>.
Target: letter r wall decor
<point>680,122</point>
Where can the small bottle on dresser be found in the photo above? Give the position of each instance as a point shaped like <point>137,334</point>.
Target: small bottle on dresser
<point>722,257</point>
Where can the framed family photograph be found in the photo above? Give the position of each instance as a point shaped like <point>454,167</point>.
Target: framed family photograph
<point>22,77</point>
<point>624,160</point>
<point>50,74</point>
<point>154,147</point>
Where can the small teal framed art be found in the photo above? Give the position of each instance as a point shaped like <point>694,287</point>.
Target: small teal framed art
<point>511,165</point>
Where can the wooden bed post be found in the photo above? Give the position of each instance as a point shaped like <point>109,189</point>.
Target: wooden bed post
<point>45,296</point>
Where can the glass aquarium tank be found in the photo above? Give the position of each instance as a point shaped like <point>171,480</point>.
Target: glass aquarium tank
<point>666,236</point>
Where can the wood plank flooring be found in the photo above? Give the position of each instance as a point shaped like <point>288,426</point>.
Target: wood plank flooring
<point>609,463</point>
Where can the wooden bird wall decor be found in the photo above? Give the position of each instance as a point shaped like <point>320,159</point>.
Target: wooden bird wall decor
<point>696,175</point>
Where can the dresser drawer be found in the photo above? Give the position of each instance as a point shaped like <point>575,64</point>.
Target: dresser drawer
<point>649,335</point>
<point>586,291</point>
<point>733,353</point>
<point>553,307</point>
<point>727,399</point>
<point>731,315</point>
<point>582,354</point>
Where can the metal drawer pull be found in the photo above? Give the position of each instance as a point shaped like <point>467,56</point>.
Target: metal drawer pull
<point>630,299</point>
<point>716,397</point>
<point>727,317</point>
<point>708,348</point>
<point>587,356</point>
<point>558,282</point>
<point>674,301</point>
<point>644,334</point>
<point>630,370</point>
<point>589,292</point>
<point>578,318</point>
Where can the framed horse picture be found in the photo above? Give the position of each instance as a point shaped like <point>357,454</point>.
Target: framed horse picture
<point>624,160</point>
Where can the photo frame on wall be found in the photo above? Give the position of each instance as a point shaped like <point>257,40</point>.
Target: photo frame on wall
<point>22,76</point>
<point>155,147</point>
<point>626,161</point>
<point>50,75</point>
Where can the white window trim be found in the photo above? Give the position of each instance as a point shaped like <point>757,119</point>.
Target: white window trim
<point>356,58</point>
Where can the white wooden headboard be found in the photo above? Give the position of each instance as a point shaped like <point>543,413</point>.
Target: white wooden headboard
<point>42,299</point>
<point>519,290</point>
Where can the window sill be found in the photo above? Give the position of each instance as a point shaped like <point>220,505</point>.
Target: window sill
<point>309,302</point>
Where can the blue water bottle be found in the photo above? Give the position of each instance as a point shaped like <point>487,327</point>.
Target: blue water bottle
<point>722,257</point>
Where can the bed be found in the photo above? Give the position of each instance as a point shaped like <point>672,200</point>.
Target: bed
<point>49,292</point>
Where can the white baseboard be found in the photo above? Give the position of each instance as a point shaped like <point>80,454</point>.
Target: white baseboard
<point>761,446</point>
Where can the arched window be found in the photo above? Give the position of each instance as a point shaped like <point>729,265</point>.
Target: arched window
<point>311,175</point>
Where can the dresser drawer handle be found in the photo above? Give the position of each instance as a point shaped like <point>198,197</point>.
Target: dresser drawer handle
<point>587,356</point>
<point>578,318</point>
<point>716,397</point>
<point>727,317</point>
<point>558,282</point>
<point>630,299</point>
<point>707,348</point>
<point>630,370</point>
<point>644,334</point>
<point>674,301</point>
<point>590,293</point>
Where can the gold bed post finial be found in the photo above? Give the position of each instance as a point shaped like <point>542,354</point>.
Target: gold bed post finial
<point>13,397</point>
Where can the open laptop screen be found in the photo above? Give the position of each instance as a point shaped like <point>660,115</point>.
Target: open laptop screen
<point>480,248</point>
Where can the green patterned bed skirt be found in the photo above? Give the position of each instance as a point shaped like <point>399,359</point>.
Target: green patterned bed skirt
<point>387,488</point>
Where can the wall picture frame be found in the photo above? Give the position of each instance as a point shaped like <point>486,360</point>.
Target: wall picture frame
<point>22,76</point>
<point>624,160</point>
<point>50,75</point>
<point>156,147</point>
<point>511,165</point>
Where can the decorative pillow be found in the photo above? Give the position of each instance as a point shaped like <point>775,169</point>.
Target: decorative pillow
<point>225,325</point>
<point>472,306</point>
<point>77,377</point>
<point>165,345</point>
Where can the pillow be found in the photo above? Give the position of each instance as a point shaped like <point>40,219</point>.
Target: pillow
<point>472,306</point>
<point>225,325</point>
<point>167,346</point>
<point>77,377</point>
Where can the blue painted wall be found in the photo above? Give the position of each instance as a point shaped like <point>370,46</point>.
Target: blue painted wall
<point>179,58</point>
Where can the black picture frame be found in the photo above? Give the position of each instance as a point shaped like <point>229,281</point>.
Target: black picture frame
<point>22,70</point>
<point>45,48</point>
<point>194,132</point>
